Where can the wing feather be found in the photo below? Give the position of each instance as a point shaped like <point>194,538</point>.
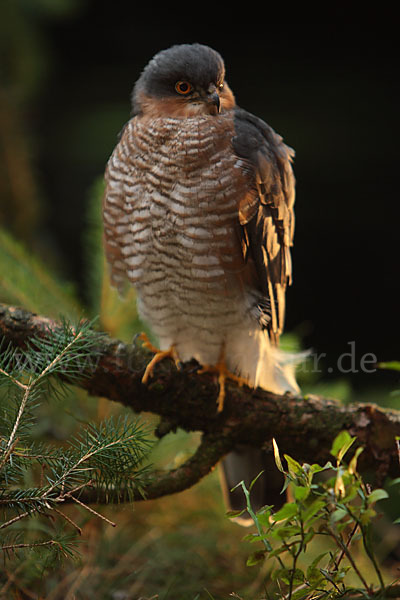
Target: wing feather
<point>266,214</point>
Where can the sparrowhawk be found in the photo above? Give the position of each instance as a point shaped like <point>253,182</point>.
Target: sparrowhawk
<point>198,216</point>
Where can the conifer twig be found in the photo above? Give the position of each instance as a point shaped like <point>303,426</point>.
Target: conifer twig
<point>30,545</point>
<point>68,519</point>
<point>94,512</point>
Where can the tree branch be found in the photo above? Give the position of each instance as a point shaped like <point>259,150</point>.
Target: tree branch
<point>207,455</point>
<point>304,427</point>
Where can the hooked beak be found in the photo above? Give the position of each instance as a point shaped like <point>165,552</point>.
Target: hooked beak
<point>214,103</point>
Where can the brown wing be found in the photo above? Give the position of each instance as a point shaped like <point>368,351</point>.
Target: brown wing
<point>266,213</point>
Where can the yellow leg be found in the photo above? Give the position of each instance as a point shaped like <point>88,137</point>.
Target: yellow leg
<point>223,374</point>
<point>147,343</point>
<point>159,355</point>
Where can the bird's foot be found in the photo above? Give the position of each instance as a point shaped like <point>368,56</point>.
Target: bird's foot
<point>223,374</point>
<point>159,355</point>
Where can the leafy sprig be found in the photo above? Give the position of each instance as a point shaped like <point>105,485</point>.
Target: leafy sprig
<point>330,502</point>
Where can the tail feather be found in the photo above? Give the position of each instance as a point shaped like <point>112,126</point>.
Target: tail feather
<point>252,356</point>
<point>266,366</point>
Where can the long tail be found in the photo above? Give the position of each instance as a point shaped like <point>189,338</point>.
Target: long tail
<point>253,356</point>
<point>263,365</point>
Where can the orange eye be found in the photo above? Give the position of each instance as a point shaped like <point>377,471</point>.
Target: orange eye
<point>183,87</point>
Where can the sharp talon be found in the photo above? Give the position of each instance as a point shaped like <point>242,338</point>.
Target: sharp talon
<point>176,359</point>
<point>147,343</point>
<point>223,374</point>
<point>221,395</point>
<point>159,355</point>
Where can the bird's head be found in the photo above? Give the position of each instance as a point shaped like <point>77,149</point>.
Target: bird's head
<point>183,81</point>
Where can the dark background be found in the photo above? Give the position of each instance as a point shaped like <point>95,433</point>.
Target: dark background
<point>331,90</point>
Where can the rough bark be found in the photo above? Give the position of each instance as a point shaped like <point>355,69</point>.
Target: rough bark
<point>304,427</point>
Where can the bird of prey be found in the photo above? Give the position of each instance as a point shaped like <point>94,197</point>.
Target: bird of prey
<point>198,216</point>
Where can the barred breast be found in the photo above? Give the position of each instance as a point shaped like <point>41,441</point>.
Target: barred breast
<point>170,216</point>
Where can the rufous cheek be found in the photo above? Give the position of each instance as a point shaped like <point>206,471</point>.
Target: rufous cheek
<point>227,98</point>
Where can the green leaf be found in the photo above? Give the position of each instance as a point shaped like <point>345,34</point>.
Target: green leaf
<point>377,495</point>
<point>285,531</point>
<point>294,466</point>
<point>254,480</point>
<point>286,512</point>
<point>317,560</point>
<point>298,577</point>
<point>240,484</point>
<point>264,516</point>
<point>314,576</point>
<point>341,444</point>
<point>232,514</point>
<point>340,440</point>
<point>301,493</point>
<point>264,539</point>
<point>309,536</point>
<point>313,509</point>
<point>251,537</point>
<point>351,493</point>
<point>255,558</point>
<point>338,515</point>
<point>288,575</point>
<point>317,468</point>
<point>334,576</point>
